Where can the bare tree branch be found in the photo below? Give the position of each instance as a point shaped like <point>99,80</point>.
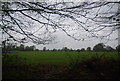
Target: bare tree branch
<point>83,17</point>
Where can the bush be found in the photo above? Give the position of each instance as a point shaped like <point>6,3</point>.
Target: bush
<point>13,60</point>
<point>95,69</point>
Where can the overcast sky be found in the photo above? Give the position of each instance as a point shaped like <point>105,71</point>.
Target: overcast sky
<point>62,40</point>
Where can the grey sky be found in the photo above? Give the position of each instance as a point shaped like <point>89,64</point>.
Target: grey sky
<point>63,40</point>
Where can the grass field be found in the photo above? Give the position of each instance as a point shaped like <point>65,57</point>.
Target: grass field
<point>50,57</point>
<point>50,65</point>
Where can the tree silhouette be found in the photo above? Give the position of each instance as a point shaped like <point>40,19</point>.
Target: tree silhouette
<point>99,47</point>
<point>44,48</point>
<point>109,48</point>
<point>82,49</point>
<point>38,21</point>
<point>88,49</point>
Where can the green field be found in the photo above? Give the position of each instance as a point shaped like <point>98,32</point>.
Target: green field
<point>50,57</point>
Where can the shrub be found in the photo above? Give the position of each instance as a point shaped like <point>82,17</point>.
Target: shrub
<point>13,60</point>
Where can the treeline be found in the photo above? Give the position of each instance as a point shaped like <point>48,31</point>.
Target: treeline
<point>97,48</point>
<point>100,47</point>
<point>13,47</point>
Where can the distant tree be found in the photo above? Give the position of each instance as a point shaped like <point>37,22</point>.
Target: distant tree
<point>32,48</point>
<point>78,50</point>
<point>54,49</point>
<point>118,48</point>
<point>109,48</point>
<point>21,47</point>
<point>47,49</point>
<point>8,46</point>
<point>59,49</point>
<point>44,48</point>
<point>27,48</point>
<point>99,47</point>
<point>88,49</point>
<point>71,49</point>
<point>83,49</point>
<point>36,49</point>
<point>65,49</point>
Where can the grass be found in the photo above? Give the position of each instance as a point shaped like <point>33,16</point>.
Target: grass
<point>60,58</point>
<point>50,65</point>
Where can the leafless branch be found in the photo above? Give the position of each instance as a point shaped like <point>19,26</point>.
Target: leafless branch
<point>86,16</point>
